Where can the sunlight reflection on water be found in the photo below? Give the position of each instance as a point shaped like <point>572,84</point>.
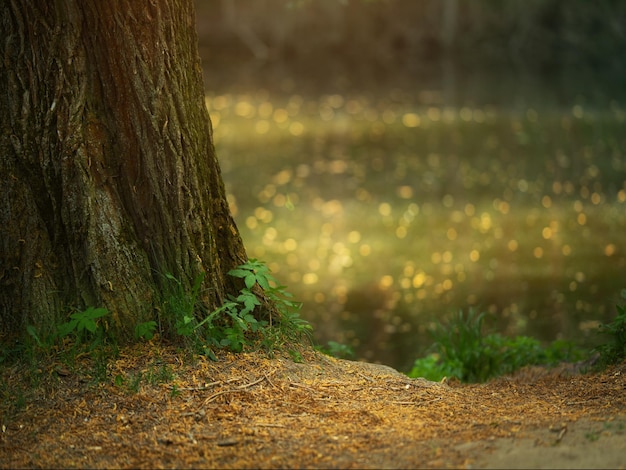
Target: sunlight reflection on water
<point>384,215</point>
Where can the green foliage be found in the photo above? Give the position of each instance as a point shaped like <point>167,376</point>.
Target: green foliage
<point>145,330</point>
<point>290,326</point>
<point>84,332</point>
<point>239,311</point>
<point>84,324</point>
<point>84,329</point>
<point>155,374</point>
<point>464,352</point>
<point>134,382</point>
<point>274,332</point>
<point>341,351</point>
<point>180,305</point>
<point>234,324</point>
<point>32,332</point>
<point>432,368</point>
<point>614,350</point>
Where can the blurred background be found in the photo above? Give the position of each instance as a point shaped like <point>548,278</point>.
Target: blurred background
<point>396,161</point>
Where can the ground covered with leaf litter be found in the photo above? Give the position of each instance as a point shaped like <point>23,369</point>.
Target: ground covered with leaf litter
<point>157,407</point>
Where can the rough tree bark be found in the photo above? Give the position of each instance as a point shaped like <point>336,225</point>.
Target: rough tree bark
<point>108,174</point>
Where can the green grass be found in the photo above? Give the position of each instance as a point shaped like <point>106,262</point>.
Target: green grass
<point>462,350</point>
<point>613,349</point>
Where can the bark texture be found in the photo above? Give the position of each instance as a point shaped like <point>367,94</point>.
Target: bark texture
<point>107,169</point>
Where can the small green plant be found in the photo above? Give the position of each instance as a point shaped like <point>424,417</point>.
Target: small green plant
<point>180,305</point>
<point>432,368</point>
<point>461,348</point>
<point>614,350</point>
<point>32,332</point>
<point>234,325</point>
<point>119,380</point>
<point>155,374</point>
<point>289,326</point>
<point>158,375</point>
<point>84,325</point>
<point>296,356</point>
<point>464,352</point>
<point>274,331</point>
<point>134,384</point>
<point>145,330</point>
<point>238,311</point>
<point>335,349</point>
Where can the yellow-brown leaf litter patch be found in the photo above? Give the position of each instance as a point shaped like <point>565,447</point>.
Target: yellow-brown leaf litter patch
<point>161,408</point>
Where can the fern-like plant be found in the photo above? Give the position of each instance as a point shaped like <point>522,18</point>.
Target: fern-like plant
<point>234,324</point>
<point>614,350</point>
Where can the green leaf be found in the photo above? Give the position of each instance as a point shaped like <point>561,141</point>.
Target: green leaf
<point>96,312</point>
<point>241,273</point>
<point>250,280</point>
<point>263,282</point>
<point>145,330</point>
<point>65,329</point>
<point>88,324</point>
<point>30,329</point>
<point>210,354</point>
<point>249,300</point>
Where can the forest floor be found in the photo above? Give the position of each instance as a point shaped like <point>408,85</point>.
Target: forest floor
<point>158,407</point>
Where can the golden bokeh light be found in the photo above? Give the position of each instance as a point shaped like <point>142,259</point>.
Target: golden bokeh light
<point>296,128</point>
<point>290,244</point>
<point>384,209</point>
<point>280,115</point>
<point>245,109</point>
<point>440,207</point>
<point>411,120</point>
<point>386,281</point>
<point>405,192</point>
<point>354,236</point>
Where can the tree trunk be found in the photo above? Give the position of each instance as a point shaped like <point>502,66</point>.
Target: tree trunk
<point>107,169</point>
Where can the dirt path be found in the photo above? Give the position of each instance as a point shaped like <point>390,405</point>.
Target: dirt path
<point>158,410</point>
<point>586,443</point>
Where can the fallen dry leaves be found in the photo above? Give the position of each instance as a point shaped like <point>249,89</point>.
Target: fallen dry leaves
<point>250,411</point>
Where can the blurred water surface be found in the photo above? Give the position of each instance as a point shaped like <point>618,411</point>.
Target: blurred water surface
<point>387,200</point>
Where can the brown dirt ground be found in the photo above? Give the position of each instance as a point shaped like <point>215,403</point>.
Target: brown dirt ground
<point>249,411</point>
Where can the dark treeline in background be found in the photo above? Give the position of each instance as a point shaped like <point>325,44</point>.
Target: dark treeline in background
<point>530,33</point>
